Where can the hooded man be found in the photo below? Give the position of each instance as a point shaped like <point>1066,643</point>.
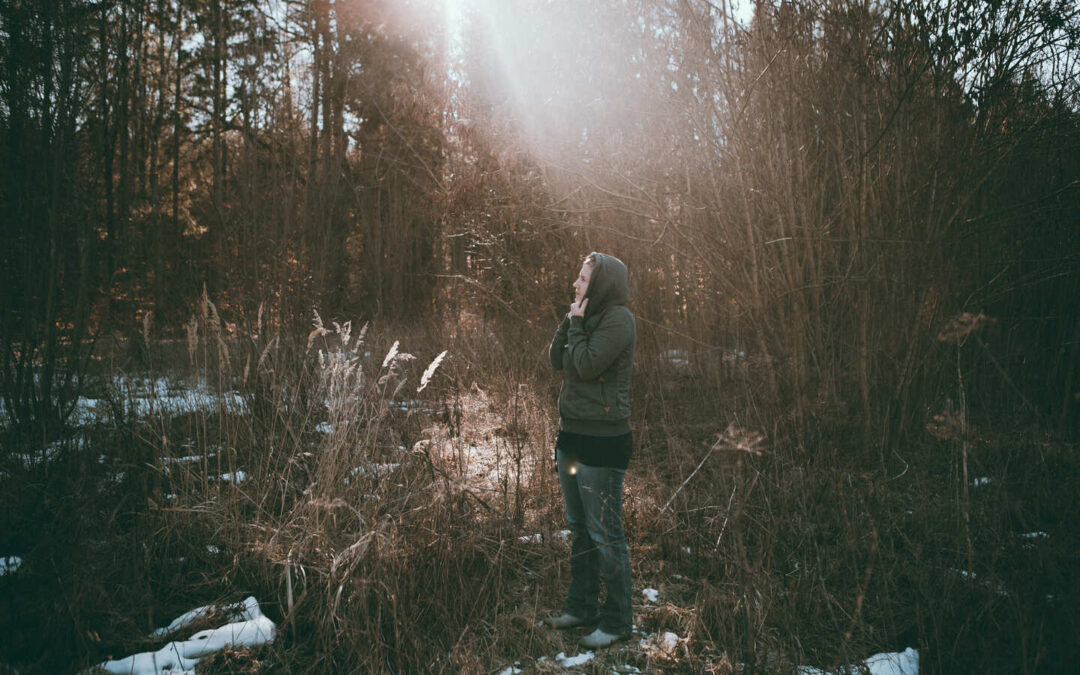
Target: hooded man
<point>594,349</point>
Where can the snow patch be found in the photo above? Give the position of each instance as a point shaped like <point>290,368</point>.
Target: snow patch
<point>531,538</point>
<point>374,470</point>
<point>142,397</point>
<point>660,642</point>
<point>182,656</point>
<point>980,481</point>
<point>571,661</point>
<point>651,594</point>
<point>10,564</point>
<point>51,452</point>
<point>679,358</point>
<point>248,610</point>
<point>235,477</point>
<point>167,463</point>
<point>1031,538</point>
<point>903,663</point>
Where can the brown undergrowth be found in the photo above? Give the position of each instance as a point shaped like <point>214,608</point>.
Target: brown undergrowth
<point>390,530</point>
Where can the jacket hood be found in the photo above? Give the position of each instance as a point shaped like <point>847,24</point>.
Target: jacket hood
<point>609,284</point>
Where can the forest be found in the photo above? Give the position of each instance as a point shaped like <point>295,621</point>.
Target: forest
<point>279,277</point>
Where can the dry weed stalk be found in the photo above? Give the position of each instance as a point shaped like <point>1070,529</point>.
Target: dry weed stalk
<point>430,371</point>
<point>733,438</point>
<point>390,354</point>
<point>963,326</point>
<point>213,320</point>
<point>266,352</point>
<point>740,440</point>
<point>318,331</point>
<point>147,322</point>
<point>947,425</point>
<point>192,330</point>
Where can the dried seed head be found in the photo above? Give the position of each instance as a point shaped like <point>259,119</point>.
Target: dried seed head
<point>430,371</point>
<point>265,352</point>
<point>742,440</point>
<point>390,354</point>
<point>318,331</point>
<point>147,321</point>
<point>192,330</point>
<point>963,326</point>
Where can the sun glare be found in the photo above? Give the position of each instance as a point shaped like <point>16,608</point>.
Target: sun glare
<point>453,12</point>
<point>555,69</point>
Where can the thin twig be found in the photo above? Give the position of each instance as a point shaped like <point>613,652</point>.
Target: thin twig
<point>692,473</point>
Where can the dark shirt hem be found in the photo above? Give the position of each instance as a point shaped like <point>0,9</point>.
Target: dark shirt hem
<point>600,451</point>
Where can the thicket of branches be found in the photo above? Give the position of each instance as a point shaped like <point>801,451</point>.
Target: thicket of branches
<point>827,190</point>
<point>853,242</point>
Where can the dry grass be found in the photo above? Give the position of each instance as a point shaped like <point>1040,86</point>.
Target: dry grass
<point>398,538</point>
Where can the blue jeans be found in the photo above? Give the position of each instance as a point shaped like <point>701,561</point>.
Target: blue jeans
<point>593,498</point>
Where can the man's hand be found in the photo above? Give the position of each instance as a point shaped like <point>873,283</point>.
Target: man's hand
<point>578,308</point>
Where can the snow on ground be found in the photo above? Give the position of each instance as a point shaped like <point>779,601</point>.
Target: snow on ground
<point>571,661</point>
<point>141,397</point>
<point>249,629</point>
<point>651,594</point>
<point>374,470</point>
<point>167,463</point>
<point>234,477</point>
<point>903,663</point>
<point>52,451</point>
<point>483,456</point>
<point>538,538</point>
<point>1031,538</point>
<point>679,358</point>
<point>664,643</point>
<point>10,564</point>
<point>248,610</point>
<point>971,576</point>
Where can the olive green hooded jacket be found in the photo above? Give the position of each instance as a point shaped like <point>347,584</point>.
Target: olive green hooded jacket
<point>596,355</point>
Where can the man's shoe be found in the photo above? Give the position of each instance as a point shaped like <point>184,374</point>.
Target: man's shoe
<point>598,639</point>
<point>565,621</point>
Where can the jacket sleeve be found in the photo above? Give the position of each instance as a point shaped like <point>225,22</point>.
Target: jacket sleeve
<point>592,354</point>
<point>558,344</point>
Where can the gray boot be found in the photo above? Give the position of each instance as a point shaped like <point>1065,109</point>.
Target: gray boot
<point>565,621</point>
<point>598,639</point>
